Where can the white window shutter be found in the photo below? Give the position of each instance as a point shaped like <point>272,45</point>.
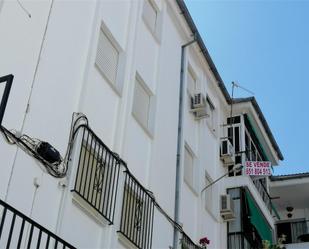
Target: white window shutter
<point>107,58</point>
<point>191,83</point>
<point>141,104</point>
<point>150,15</point>
<point>188,168</point>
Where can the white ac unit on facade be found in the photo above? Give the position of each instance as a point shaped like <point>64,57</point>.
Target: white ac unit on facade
<point>198,106</point>
<point>227,208</point>
<point>227,151</point>
<point>198,101</point>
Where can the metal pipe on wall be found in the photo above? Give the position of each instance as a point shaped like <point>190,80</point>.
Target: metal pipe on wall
<point>179,142</point>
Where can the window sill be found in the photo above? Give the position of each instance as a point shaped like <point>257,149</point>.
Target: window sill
<point>146,130</point>
<point>115,87</point>
<point>154,34</point>
<point>193,190</point>
<point>89,210</point>
<point>124,240</point>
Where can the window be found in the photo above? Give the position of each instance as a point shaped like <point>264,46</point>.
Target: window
<point>231,167</point>
<point>252,153</point>
<point>191,87</point>
<point>109,60</point>
<point>211,111</point>
<point>143,104</point>
<point>150,15</point>
<point>292,230</point>
<point>137,214</point>
<point>96,176</point>
<point>191,83</point>
<point>208,194</point>
<point>189,169</point>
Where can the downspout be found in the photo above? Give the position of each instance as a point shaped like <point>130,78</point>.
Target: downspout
<point>179,142</point>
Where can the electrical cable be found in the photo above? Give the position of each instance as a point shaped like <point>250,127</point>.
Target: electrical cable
<point>75,127</point>
<point>30,146</point>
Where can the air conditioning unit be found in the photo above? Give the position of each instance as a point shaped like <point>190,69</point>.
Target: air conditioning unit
<point>198,106</point>
<point>198,101</point>
<point>227,151</point>
<point>227,208</point>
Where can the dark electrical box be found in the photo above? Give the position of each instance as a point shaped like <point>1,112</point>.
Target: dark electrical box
<point>49,153</point>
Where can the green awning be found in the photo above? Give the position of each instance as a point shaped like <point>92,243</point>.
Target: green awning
<point>258,221</point>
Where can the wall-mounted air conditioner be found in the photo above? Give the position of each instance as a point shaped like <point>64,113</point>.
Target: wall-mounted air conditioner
<point>227,151</point>
<point>227,208</point>
<point>199,106</point>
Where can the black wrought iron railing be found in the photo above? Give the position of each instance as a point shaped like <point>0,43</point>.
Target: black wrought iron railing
<point>19,231</point>
<point>97,174</point>
<point>137,213</point>
<point>187,243</point>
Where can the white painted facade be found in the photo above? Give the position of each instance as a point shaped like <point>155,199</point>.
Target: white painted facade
<point>292,201</point>
<point>52,56</point>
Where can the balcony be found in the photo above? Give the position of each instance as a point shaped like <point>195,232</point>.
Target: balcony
<point>187,243</point>
<point>19,231</point>
<point>263,193</point>
<point>97,175</point>
<point>137,213</point>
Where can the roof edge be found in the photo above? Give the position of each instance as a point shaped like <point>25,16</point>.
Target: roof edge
<point>264,122</point>
<point>191,24</point>
<point>289,176</point>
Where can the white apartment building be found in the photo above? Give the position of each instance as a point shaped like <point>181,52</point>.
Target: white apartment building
<point>292,202</point>
<point>135,157</point>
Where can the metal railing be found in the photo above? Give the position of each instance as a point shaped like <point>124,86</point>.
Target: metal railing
<point>97,174</point>
<point>263,193</point>
<point>187,243</point>
<point>19,231</point>
<point>137,213</point>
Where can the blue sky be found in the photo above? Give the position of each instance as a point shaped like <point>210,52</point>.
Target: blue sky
<point>264,46</point>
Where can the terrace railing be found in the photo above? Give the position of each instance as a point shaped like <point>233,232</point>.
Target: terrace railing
<point>19,231</point>
<point>137,213</point>
<point>97,174</point>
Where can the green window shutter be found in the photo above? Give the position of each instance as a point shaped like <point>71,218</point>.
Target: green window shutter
<point>257,219</point>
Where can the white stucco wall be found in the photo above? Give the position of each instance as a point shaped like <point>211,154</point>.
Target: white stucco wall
<point>52,56</point>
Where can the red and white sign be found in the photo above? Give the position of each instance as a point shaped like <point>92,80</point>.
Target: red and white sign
<point>257,168</point>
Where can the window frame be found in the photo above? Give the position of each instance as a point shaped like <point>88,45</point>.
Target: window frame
<point>157,29</point>
<point>194,185</point>
<point>149,129</point>
<point>212,119</point>
<point>117,86</point>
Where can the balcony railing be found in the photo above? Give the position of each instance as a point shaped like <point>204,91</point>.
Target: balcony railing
<point>19,231</point>
<point>137,213</point>
<point>97,174</point>
<point>263,193</point>
<point>187,243</point>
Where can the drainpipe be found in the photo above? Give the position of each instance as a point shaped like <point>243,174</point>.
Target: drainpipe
<point>179,142</point>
